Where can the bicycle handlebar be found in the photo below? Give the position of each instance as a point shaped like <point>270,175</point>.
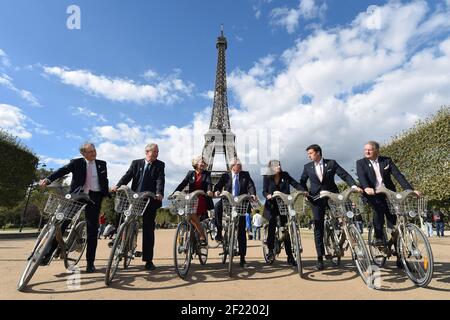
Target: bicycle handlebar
<point>338,197</point>
<point>136,195</point>
<point>398,197</point>
<point>287,198</point>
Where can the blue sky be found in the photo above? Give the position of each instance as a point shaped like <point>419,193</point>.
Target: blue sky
<point>140,71</point>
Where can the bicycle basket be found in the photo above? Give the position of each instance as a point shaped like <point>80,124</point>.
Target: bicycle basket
<point>62,207</point>
<point>410,206</point>
<point>182,206</point>
<point>351,207</point>
<point>121,202</point>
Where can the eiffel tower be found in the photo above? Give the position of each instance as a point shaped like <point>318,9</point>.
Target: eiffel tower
<point>219,139</point>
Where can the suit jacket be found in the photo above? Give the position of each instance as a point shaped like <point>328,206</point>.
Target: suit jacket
<point>156,181</point>
<point>245,183</point>
<point>368,179</point>
<point>78,169</point>
<point>206,185</point>
<point>269,187</point>
<point>330,168</point>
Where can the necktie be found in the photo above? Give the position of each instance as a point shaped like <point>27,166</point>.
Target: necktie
<point>320,172</point>
<point>145,178</point>
<point>88,183</point>
<point>235,186</point>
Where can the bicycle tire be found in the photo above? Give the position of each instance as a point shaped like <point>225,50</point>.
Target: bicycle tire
<point>203,251</point>
<point>77,246</point>
<point>378,257</point>
<point>361,255</point>
<point>428,261</point>
<point>296,246</point>
<point>231,244</point>
<point>182,244</point>
<point>45,240</point>
<point>131,245</point>
<point>116,254</point>
<point>225,245</point>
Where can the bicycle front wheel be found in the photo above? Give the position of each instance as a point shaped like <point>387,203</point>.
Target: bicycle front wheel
<point>116,254</point>
<point>182,249</point>
<point>131,245</point>
<point>43,245</point>
<point>360,255</point>
<point>331,247</point>
<point>202,251</point>
<point>75,249</point>
<point>296,244</point>
<point>416,255</point>
<point>265,234</point>
<point>231,245</point>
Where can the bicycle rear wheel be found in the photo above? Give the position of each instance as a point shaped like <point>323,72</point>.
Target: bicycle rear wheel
<point>131,245</point>
<point>231,245</point>
<point>77,245</point>
<point>265,234</point>
<point>211,229</point>
<point>43,245</point>
<point>361,255</point>
<point>116,254</point>
<point>182,254</point>
<point>378,255</point>
<point>416,255</point>
<point>330,244</point>
<point>296,246</point>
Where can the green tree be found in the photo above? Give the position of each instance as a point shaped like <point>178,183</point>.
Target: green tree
<point>422,153</point>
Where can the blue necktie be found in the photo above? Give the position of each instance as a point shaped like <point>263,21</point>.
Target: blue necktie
<point>145,178</point>
<point>236,186</point>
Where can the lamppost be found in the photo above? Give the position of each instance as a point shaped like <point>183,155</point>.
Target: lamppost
<point>30,189</point>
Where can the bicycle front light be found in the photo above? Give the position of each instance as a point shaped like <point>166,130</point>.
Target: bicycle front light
<point>234,213</point>
<point>135,196</point>
<point>127,213</point>
<point>235,199</point>
<point>398,196</point>
<point>68,196</point>
<point>290,198</point>
<point>292,213</point>
<point>59,216</point>
<point>180,212</point>
<point>340,197</point>
<point>412,213</point>
<point>350,214</point>
<point>186,197</point>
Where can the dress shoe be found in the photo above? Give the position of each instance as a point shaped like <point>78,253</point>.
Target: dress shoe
<point>319,265</point>
<point>270,256</point>
<point>243,263</point>
<point>292,261</point>
<point>90,268</point>
<point>149,266</point>
<point>399,264</point>
<point>378,243</point>
<point>218,237</point>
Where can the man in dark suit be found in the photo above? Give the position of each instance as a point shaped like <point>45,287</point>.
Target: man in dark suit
<point>147,175</point>
<point>237,182</point>
<point>89,175</point>
<point>373,172</point>
<point>320,173</point>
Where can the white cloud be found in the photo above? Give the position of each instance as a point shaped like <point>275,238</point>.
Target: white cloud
<point>289,18</point>
<point>13,120</point>
<point>7,82</point>
<point>4,59</point>
<point>167,91</point>
<point>208,95</point>
<point>83,111</point>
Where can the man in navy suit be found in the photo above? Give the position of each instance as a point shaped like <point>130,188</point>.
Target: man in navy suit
<point>320,173</point>
<point>89,175</point>
<point>237,182</point>
<point>147,175</point>
<point>373,172</point>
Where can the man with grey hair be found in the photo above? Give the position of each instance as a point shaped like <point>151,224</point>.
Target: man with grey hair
<point>237,182</point>
<point>147,175</point>
<point>373,172</point>
<point>90,176</point>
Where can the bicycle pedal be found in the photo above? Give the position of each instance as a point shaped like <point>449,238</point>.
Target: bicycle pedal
<point>138,254</point>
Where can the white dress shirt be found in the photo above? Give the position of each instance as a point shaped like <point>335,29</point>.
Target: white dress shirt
<point>319,169</point>
<point>95,184</point>
<point>376,168</point>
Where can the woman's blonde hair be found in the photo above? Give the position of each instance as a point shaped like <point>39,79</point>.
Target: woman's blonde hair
<point>196,160</point>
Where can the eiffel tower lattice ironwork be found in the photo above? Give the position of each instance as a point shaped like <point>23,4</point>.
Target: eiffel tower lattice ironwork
<point>219,139</point>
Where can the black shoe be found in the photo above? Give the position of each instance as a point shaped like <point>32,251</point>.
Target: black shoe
<point>243,263</point>
<point>149,266</point>
<point>292,261</point>
<point>90,268</point>
<point>378,243</point>
<point>319,265</point>
<point>270,256</point>
<point>218,237</point>
<point>203,242</point>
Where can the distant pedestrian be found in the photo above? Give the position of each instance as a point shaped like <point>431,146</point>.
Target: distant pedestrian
<point>102,224</point>
<point>438,218</point>
<point>257,223</point>
<point>429,223</point>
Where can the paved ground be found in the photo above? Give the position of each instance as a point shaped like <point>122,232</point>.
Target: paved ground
<point>259,281</point>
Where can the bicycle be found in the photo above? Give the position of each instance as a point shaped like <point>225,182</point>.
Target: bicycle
<point>285,204</point>
<point>132,205</point>
<point>211,230</point>
<point>341,233</point>
<point>233,208</point>
<point>187,240</point>
<point>61,210</point>
<point>413,247</point>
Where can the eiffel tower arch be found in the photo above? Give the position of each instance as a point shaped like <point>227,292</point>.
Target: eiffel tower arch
<point>219,139</point>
